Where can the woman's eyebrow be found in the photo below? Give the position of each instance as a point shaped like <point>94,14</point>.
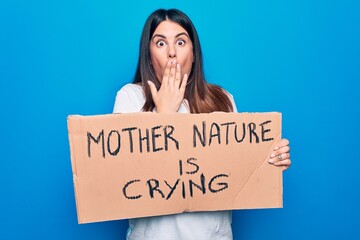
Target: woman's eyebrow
<point>158,35</point>
<point>163,36</point>
<point>183,33</point>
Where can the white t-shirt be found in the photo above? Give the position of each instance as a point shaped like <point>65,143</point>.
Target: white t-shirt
<point>184,226</point>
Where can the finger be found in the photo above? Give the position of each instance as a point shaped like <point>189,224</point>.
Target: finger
<point>283,156</point>
<point>172,74</point>
<point>285,163</point>
<point>280,157</point>
<point>165,79</point>
<point>183,85</point>
<point>285,149</point>
<point>284,142</point>
<point>153,89</point>
<point>177,76</point>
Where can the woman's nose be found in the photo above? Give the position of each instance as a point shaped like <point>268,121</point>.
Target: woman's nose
<point>172,52</point>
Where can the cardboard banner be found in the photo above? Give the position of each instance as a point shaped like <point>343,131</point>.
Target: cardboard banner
<point>147,164</point>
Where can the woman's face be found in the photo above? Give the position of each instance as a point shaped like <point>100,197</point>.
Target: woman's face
<point>170,42</point>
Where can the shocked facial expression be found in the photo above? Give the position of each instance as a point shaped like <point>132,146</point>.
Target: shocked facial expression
<point>171,42</point>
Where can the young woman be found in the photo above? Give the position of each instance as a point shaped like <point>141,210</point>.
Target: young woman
<point>170,78</point>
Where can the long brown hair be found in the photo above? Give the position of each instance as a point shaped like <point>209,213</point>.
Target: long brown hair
<point>201,96</point>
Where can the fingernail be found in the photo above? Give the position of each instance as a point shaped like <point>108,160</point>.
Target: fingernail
<point>272,155</point>
<point>276,148</point>
<point>148,83</point>
<point>271,161</point>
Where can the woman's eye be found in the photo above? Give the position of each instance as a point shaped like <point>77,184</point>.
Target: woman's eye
<point>181,42</point>
<point>160,43</point>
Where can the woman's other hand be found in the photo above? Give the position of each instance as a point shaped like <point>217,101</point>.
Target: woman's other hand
<point>171,93</point>
<point>281,154</point>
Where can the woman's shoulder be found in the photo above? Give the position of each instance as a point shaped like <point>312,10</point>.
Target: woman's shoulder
<point>133,91</point>
<point>131,88</point>
<point>219,88</point>
<point>231,98</point>
<point>130,98</point>
<point>228,93</point>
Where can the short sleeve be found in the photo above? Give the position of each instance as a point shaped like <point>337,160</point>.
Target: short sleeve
<point>231,98</point>
<point>129,99</point>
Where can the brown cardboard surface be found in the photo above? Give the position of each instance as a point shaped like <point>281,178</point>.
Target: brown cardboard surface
<point>117,175</point>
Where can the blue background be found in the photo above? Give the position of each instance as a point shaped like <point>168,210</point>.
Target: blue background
<point>300,57</point>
